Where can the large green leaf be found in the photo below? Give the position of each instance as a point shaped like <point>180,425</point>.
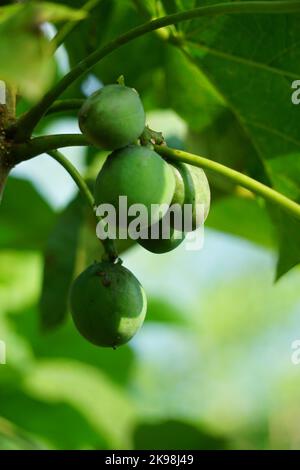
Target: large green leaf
<point>252,60</point>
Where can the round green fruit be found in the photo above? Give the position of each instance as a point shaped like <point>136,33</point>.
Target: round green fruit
<point>161,245</point>
<point>191,187</point>
<point>108,304</point>
<point>112,117</point>
<point>142,176</point>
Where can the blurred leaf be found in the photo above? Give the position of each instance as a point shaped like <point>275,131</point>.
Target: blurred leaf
<point>42,11</point>
<point>173,435</point>
<point>59,265</point>
<point>159,310</point>
<point>13,438</point>
<point>67,343</point>
<point>25,52</point>
<point>189,92</point>
<point>108,20</point>
<point>25,217</point>
<point>226,142</point>
<point>243,217</point>
<point>104,405</point>
<point>47,11</point>
<point>41,418</point>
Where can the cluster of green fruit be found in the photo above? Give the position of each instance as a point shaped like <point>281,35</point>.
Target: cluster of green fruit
<point>108,303</point>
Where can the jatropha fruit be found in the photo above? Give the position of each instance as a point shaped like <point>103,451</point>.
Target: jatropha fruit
<point>141,175</point>
<point>112,117</point>
<point>108,304</point>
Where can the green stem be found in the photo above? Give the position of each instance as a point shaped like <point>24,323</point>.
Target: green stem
<point>108,244</point>
<point>25,125</point>
<point>39,145</point>
<point>71,25</point>
<point>75,175</point>
<point>266,192</point>
<point>65,105</point>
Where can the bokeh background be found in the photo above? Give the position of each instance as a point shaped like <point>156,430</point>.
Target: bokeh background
<point>212,366</point>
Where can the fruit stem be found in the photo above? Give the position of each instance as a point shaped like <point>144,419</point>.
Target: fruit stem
<point>24,127</point>
<point>260,189</point>
<point>34,147</point>
<point>108,244</point>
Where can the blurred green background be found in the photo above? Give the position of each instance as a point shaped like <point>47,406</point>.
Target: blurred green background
<point>212,366</point>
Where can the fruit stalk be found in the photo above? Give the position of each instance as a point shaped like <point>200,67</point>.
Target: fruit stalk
<point>108,245</point>
<point>23,129</point>
<point>286,204</point>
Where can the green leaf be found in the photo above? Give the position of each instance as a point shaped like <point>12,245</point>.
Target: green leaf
<point>65,342</point>
<point>25,217</point>
<point>255,82</point>
<point>243,217</point>
<point>39,418</point>
<point>161,311</point>
<point>226,142</point>
<point>189,92</point>
<point>288,237</point>
<point>59,265</point>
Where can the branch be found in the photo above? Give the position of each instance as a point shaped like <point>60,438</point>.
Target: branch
<point>25,125</point>
<point>65,105</point>
<point>39,145</point>
<point>3,177</point>
<point>7,115</point>
<point>108,244</point>
<point>286,204</point>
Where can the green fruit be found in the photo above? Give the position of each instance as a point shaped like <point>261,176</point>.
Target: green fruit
<point>108,304</point>
<point>192,187</point>
<point>141,175</point>
<point>184,191</point>
<point>202,195</point>
<point>162,245</point>
<point>112,117</point>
